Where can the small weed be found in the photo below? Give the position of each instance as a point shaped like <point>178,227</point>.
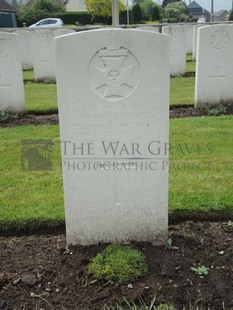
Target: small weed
<point>218,110</point>
<point>169,246</point>
<point>209,253</point>
<point>5,116</point>
<point>67,250</point>
<point>120,263</point>
<point>230,223</point>
<point>141,305</point>
<point>85,282</point>
<point>200,270</point>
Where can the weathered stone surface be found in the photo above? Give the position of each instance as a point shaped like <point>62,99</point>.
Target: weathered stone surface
<point>12,97</point>
<point>113,93</point>
<point>214,68</point>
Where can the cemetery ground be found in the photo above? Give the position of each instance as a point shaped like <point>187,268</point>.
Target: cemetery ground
<point>38,271</point>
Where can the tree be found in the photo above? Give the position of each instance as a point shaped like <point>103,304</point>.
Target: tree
<point>40,9</point>
<point>49,6</point>
<point>102,7</point>
<point>137,13</point>
<point>147,7</point>
<point>155,13</point>
<point>176,10</point>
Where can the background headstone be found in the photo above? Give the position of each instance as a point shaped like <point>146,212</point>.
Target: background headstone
<point>43,54</point>
<point>61,32</point>
<point>24,38</point>
<point>12,97</point>
<point>178,48</point>
<point>148,28</point>
<point>195,31</point>
<point>113,94</point>
<point>214,68</point>
<point>188,29</point>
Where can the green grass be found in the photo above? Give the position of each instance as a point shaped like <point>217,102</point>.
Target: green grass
<point>182,91</point>
<point>28,197</point>
<point>205,187</point>
<point>40,97</point>
<point>190,64</point>
<point>43,97</point>
<point>28,75</point>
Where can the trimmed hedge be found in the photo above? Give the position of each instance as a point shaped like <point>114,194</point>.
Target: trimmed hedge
<point>69,18</point>
<point>84,18</point>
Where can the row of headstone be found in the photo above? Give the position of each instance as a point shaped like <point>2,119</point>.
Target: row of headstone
<point>114,115</point>
<point>37,51</point>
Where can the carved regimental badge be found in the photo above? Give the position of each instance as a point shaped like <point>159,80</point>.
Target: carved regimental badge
<point>219,39</point>
<point>113,72</point>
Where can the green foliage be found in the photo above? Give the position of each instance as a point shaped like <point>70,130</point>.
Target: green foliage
<point>102,7</point>
<point>30,16</point>
<point>137,13</point>
<point>169,246</point>
<point>48,5</point>
<point>176,10</point>
<point>218,110</point>
<point>70,18</point>
<point>200,270</point>
<point>147,7</point>
<point>41,9</point>
<point>5,116</point>
<point>155,13</point>
<point>120,263</point>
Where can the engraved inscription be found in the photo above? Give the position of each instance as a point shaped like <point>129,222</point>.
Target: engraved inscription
<point>219,39</point>
<point>3,49</point>
<point>218,78</point>
<point>113,72</point>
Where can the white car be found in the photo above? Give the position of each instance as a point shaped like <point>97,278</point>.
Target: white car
<point>48,22</point>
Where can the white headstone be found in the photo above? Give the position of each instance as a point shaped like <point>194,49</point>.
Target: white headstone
<point>148,28</point>
<point>178,48</point>
<point>25,49</point>
<point>12,97</point>
<point>43,54</point>
<point>113,94</point>
<point>62,32</point>
<point>214,68</point>
<point>188,29</point>
<point>195,31</point>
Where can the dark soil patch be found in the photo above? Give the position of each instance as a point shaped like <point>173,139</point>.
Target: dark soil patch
<point>38,272</point>
<point>52,118</point>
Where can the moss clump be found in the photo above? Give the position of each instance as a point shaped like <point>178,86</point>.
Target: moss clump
<point>120,263</point>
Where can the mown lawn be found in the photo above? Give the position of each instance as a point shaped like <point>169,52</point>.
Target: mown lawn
<point>201,172</point>
<point>40,97</point>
